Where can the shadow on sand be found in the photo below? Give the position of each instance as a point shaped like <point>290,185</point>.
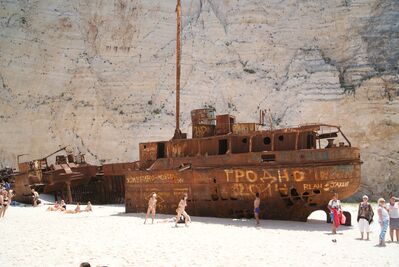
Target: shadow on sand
<point>311,225</point>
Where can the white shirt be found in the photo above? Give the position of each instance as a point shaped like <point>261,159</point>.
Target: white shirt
<point>394,210</point>
<point>335,204</point>
<point>385,215</point>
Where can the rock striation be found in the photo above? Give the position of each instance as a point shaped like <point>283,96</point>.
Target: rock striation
<point>99,75</point>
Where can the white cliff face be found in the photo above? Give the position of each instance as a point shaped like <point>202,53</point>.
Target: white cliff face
<point>99,75</point>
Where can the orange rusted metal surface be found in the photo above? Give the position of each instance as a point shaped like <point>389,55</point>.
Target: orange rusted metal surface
<point>295,170</point>
<point>71,178</point>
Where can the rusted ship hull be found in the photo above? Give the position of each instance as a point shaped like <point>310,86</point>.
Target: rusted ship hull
<point>287,191</point>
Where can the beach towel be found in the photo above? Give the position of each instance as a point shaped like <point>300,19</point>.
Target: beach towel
<point>336,217</point>
<point>343,219</point>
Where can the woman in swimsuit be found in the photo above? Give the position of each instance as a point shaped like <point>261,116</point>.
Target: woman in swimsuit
<point>55,208</point>
<point>152,203</point>
<point>63,206</point>
<point>5,203</point>
<point>88,207</point>
<point>181,210</point>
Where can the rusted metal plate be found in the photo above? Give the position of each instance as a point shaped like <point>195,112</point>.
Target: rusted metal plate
<point>224,124</point>
<point>287,192</point>
<point>203,130</point>
<point>204,116</point>
<point>244,128</point>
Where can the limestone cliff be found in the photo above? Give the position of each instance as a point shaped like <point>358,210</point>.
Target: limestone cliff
<point>99,74</point>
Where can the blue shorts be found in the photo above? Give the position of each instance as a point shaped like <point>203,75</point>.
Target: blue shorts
<point>257,210</point>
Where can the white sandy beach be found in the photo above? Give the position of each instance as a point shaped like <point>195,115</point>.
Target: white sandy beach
<point>109,237</point>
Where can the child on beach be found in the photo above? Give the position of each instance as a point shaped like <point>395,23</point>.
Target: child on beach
<point>334,205</point>
<point>256,207</point>
<point>365,217</point>
<point>181,210</point>
<point>394,218</point>
<point>383,219</point>
<point>152,203</point>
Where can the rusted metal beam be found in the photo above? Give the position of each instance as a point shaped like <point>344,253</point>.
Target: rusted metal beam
<point>177,134</point>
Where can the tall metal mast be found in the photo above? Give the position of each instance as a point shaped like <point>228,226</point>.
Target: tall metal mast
<point>178,134</point>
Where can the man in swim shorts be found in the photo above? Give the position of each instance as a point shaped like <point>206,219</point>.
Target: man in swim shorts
<point>256,208</point>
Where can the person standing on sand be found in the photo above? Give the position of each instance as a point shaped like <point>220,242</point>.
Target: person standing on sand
<point>181,210</point>
<point>394,218</point>
<point>5,203</point>
<point>152,204</point>
<point>365,217</point>
<point>1,202</point>
<point>35,197</point>
<point>334,205</point>
<point>383,219</point>
<point>256,207</point>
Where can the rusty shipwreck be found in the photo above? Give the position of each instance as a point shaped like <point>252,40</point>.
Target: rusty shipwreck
<point>67,176</point>
<point>225,163</point>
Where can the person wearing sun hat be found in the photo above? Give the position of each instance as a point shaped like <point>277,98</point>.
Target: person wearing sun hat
<point>365,217</point>
<point>383,219</point>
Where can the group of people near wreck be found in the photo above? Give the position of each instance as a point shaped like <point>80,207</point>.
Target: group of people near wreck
<point>388,215</point>
<point>63,207</point>
<point>181,214</point>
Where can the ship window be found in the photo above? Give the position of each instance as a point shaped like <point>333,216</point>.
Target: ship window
<point>281,138</point>
<point>160,150</point>
<point>223,146</point>
<point>145,146</point>
<point>310,143</point>
<point>266,140</point>
<point>270,157</point>
<point>244,140</point>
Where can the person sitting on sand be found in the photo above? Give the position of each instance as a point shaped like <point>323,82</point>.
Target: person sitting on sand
<point>256,207</point>
<point>152,203</point>
<point>35,197</point>
<point>76,210</point>
<point>88,207</point>
<point>181,210</point>
<point>55,207</point>
<point>334,205</point>
<point>365,217</point>
<point>63,205</point>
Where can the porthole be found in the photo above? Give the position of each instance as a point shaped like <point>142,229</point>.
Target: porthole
<point>266,140</point>
<point>281,138</point>
<point>245,140</point>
